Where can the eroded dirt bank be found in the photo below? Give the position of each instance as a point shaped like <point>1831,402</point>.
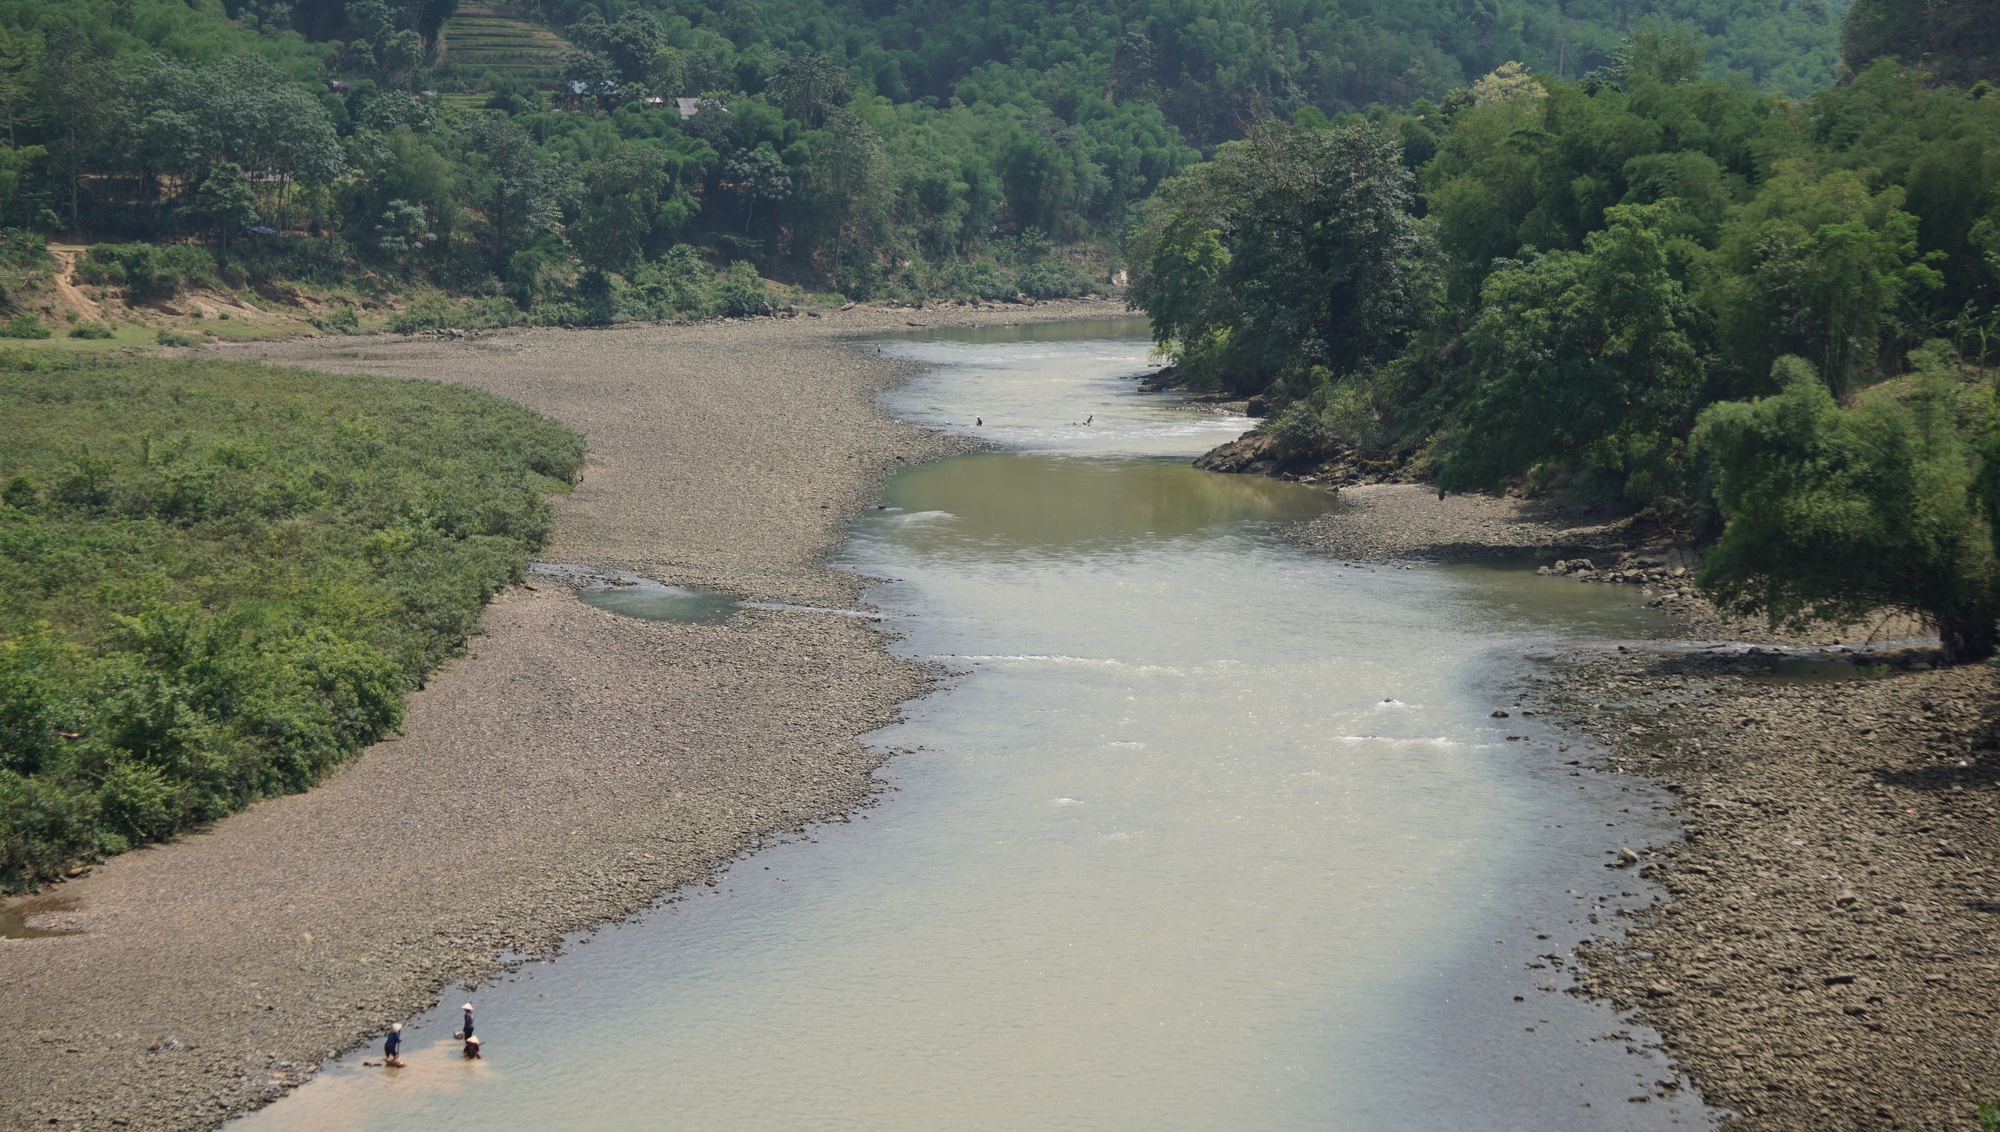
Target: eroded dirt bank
<point>1830,959</point>
<point>569,769</point>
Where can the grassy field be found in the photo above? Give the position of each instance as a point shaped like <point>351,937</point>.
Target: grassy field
<point>217,580</point>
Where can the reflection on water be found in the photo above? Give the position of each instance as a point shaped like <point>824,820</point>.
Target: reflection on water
<point>1211,833</point>
<point>1092,330</point>
<point>1001,505</point>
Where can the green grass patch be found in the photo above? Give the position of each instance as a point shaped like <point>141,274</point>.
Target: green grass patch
<point>218,580</point>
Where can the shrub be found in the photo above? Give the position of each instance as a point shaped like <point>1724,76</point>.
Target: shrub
<point>234,604</point>
<point>1054,278</point>
<point>90,328</point>
<point>739,293</point>
<point>1302,433</point>
<point>431,312</point>
<point>438,312</point>
<point>560,314</point>
<point>673,284</point>
<point>1832,512</point>
<point>174,338</point>
<point>24,325</point>
<point>341,318</point>
<point>148,271</point>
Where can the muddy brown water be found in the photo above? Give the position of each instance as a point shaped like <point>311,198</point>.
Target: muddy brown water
<point>18,916</point>
<point>1206,831</point>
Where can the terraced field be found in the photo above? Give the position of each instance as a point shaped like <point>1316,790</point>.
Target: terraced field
<point>490,38</point>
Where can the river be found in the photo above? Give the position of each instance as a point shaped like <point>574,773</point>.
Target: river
<point>1205,831</point>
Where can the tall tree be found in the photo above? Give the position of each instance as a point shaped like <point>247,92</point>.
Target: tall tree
<point>1294,249</point>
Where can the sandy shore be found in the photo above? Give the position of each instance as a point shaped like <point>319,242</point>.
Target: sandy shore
<point>568,770</point>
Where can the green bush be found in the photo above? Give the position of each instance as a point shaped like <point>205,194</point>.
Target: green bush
<point>90,328</point>
<point>24,325</point>
<point>341,319</point>
<point>174,338</point>
<point>438,312</point>
<point>219,580</point>
<point>148,271</point>
<point>1054,278</point>
<point>739,293</point>
<point>560,314</point>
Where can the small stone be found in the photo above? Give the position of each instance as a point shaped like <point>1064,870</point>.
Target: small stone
<point>1498,714</point>
<point>1627,858</point>
<point>1659,990</point>
<point>1846,900</point>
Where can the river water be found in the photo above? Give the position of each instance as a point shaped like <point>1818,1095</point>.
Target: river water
<point>1207,831</point>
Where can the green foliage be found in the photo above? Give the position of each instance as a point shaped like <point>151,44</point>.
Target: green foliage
<point>218,581</point>
<point>91,328</point>
<point>24,325</point>
<point>148,271</point>
<point>1833,513</point>
<point>1294,248</point>
<point>1817,265</point>
<point>1955,40</point>
<point>738,292</point>
<point>440,312</point>
<point>1988,1113</point>
<point>873,148</point>
<point>341,318</point>
<point>1579,357</point>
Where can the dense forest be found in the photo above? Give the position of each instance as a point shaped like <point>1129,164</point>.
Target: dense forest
<point>1734,266</point>
<point>544,154</point>
<point>1765,322</point>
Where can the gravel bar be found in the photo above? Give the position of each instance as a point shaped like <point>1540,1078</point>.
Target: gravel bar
<point>568,770</point>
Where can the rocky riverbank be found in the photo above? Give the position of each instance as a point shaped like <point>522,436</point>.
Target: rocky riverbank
<point>569,769</point>
<point>1828,960</point>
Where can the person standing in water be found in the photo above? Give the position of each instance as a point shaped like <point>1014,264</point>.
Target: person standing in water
<point>392,1047</point>
<point>466,1032</point>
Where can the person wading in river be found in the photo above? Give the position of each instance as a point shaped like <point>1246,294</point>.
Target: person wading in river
<point>466,1030</point>
<point>472,1048</point>
<point>392,1047</point>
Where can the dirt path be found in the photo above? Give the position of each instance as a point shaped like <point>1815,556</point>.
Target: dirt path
<point>64,279</point>
<point>572,767</point>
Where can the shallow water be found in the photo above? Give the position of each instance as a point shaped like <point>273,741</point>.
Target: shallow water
<point>15,916</point>
<point>1208,832</point>
<point>655,602</point>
